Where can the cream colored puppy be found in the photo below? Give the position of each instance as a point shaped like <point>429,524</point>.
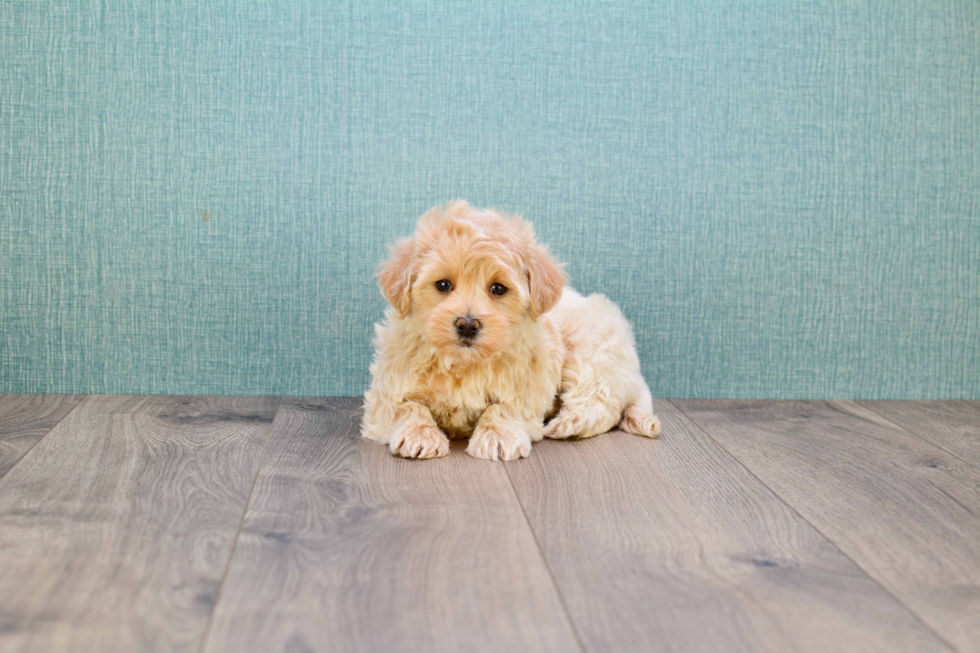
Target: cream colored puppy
<point>483,340</point>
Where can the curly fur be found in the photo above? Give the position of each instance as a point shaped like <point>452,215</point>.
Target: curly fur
<point>541,346</point>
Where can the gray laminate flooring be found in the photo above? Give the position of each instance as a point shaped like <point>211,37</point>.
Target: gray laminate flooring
<point>135,523</point>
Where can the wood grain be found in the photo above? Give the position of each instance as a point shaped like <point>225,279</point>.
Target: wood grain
<point>346,548</point>
<point>670,545</point>
<point>950,425</point>
<point>116,528</point>
<point>25,419</point>
<point>904,510</point>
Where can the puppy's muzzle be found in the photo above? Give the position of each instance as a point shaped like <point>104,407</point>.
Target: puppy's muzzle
<point>467,327</point>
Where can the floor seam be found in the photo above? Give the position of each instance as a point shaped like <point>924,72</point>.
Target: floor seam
<point>864,405</point>
<point>551,573</point>
<point>238,533</point>
<point>46,434</point>
<point>831,542</point>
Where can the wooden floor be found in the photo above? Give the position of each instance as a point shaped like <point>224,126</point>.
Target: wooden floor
<point>265,524</point>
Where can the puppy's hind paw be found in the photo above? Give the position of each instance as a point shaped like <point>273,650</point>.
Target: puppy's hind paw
<point>491,444</point>
<point>419,442</point>
<point>566,424</point>
<point>639,422</point>
<point>580,422</point>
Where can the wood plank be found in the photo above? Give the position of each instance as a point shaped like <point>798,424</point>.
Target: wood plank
<point>670,545</point>
<point>346,548</point>
<point>906,511</point>
<point>117,527</point>
<point>25,419</point>
<point>950,425</point>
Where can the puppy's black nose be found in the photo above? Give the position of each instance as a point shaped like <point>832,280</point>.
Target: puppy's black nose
<point>467,326</point>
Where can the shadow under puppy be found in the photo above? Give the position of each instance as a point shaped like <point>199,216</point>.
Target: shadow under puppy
<point>484,340</point>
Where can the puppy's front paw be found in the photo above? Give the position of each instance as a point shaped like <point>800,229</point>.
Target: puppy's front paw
<point>419,441</point>
<point>493,444</point>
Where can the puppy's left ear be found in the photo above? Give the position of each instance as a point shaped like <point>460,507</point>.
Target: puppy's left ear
<point>395,276</point>
<point>545,280</point>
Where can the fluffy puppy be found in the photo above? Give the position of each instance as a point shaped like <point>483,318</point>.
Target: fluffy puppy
<point>483,340</point>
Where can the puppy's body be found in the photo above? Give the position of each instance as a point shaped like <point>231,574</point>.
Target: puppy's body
<point>602,385</point>
<point>407,370</point>
<point>537,346</point>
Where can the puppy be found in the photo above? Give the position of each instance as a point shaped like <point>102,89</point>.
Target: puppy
<point>484,341</point>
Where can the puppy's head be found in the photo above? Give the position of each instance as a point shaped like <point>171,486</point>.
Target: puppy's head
<point>471,278</point>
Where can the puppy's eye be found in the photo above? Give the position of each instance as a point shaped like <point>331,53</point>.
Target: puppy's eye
<point>443,286</point>
<point>498,289</point>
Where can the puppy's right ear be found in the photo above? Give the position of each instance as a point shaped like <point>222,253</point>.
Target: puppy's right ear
<point>395,276</point>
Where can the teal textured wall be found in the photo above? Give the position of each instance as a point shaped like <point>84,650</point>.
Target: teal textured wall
<point>783,196</point>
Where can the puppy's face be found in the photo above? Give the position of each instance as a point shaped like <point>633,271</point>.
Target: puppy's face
<point>469,297</point>
<point>471,279</point>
